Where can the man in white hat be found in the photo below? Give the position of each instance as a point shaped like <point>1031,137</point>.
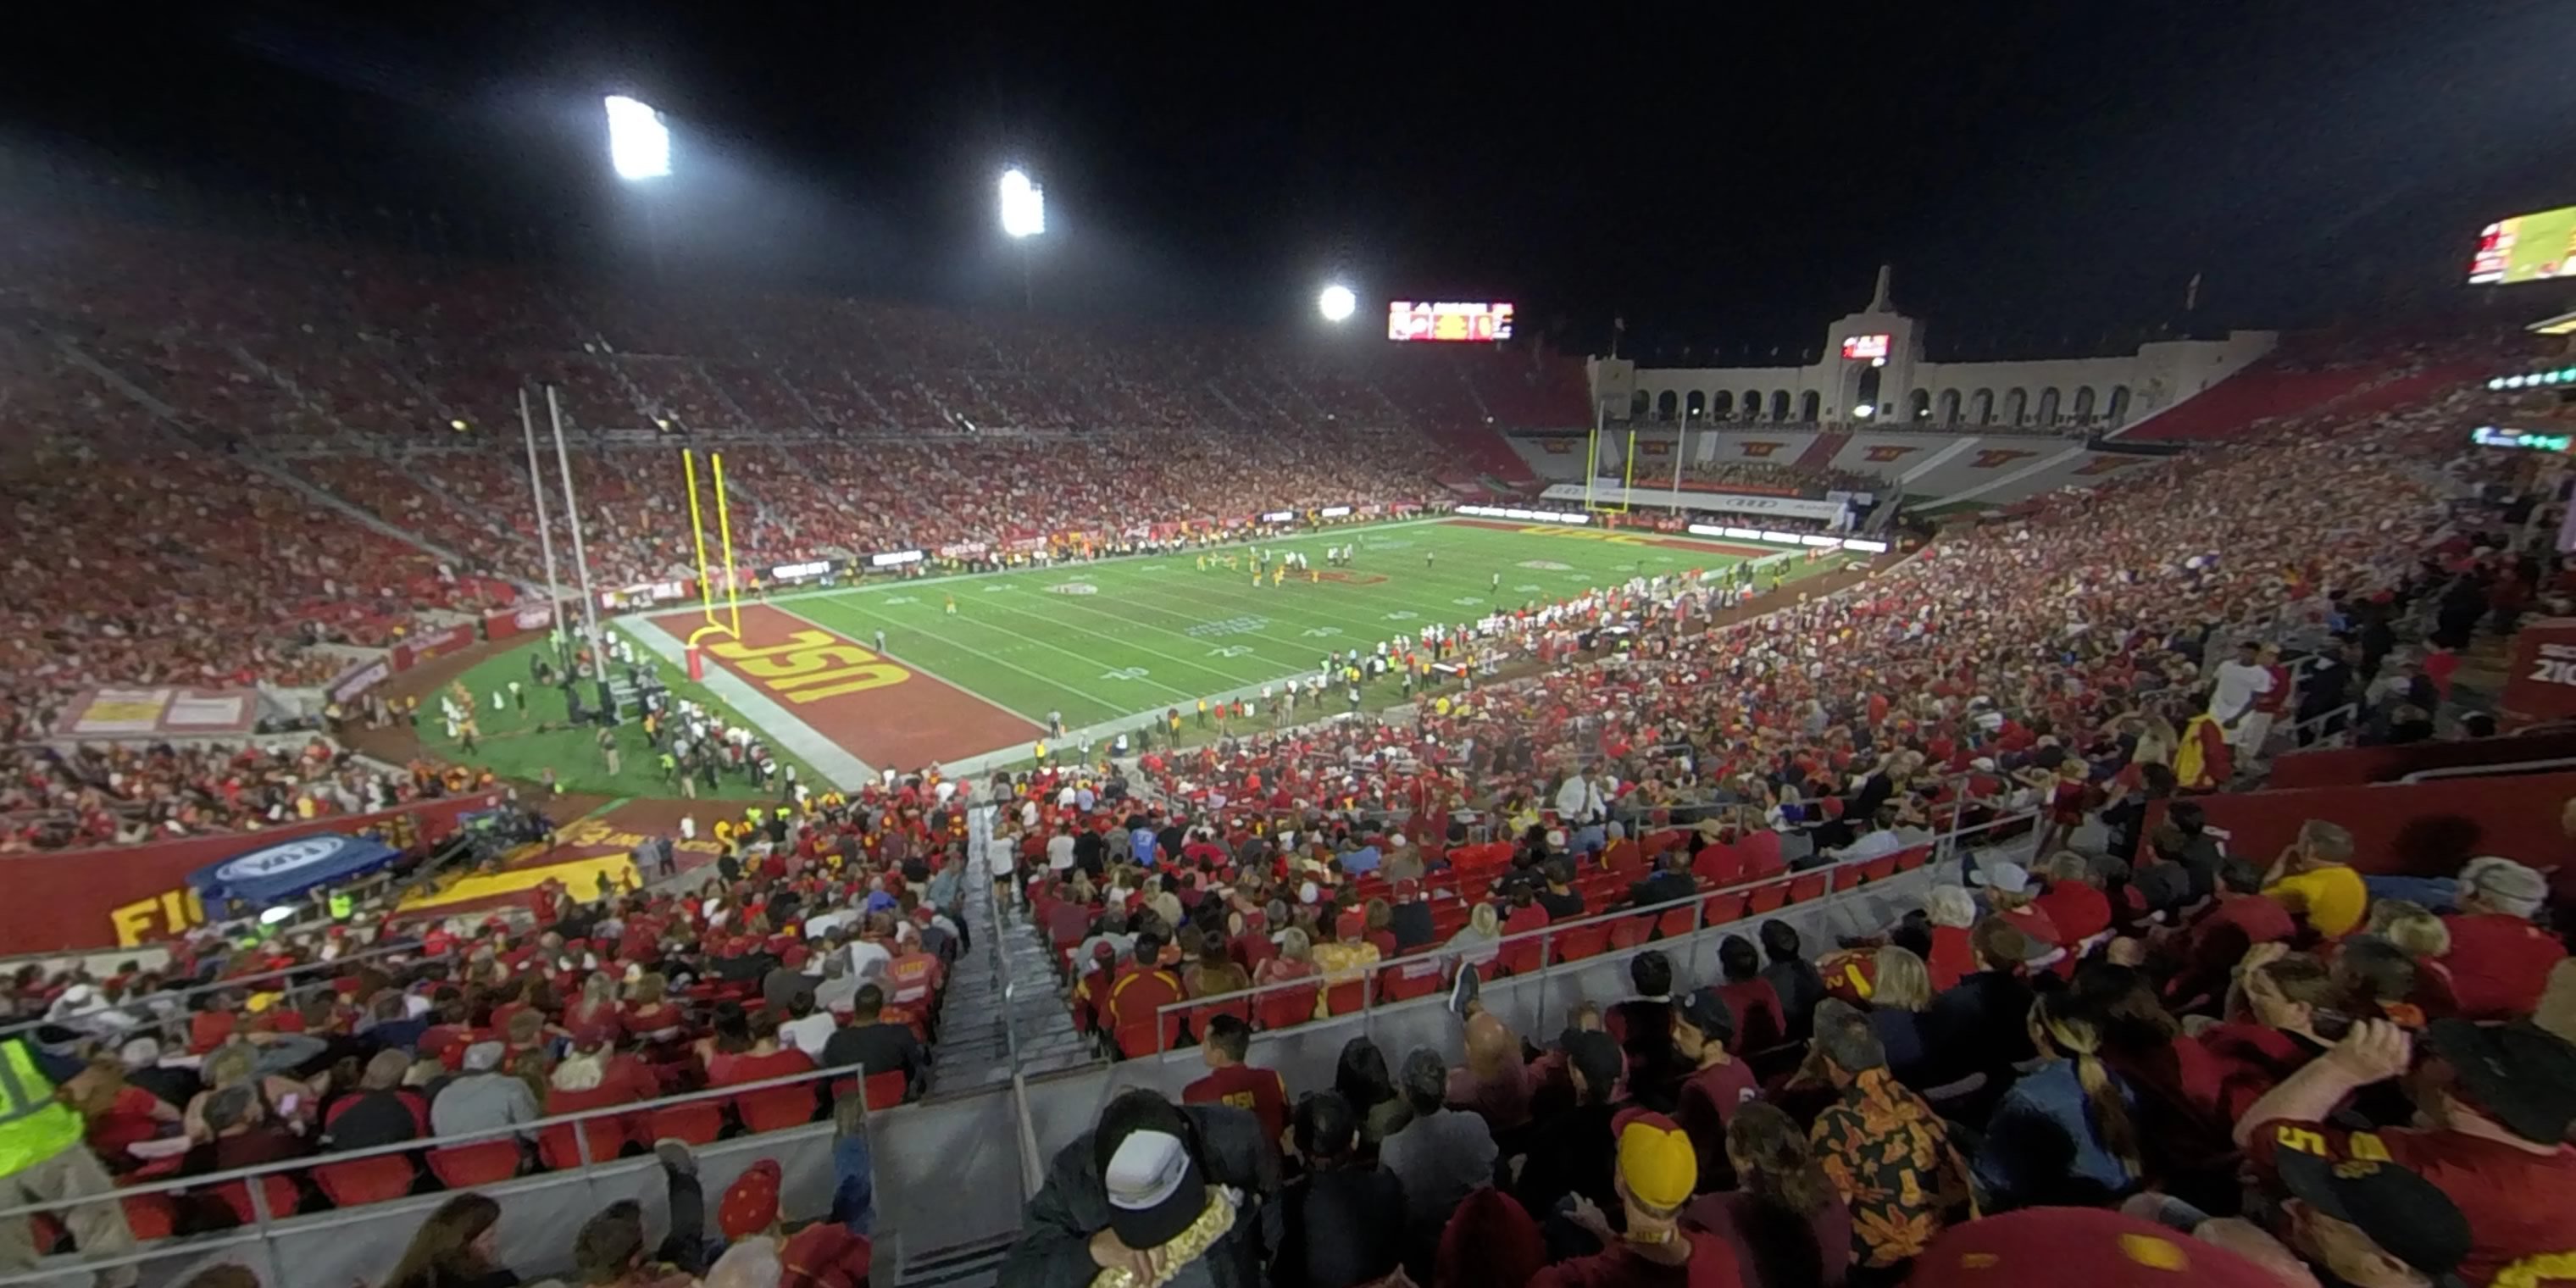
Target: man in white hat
<point>2499,961</point>
<point>1164,1193</point>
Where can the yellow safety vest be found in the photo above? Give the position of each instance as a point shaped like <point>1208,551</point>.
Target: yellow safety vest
<point>33,1125</point>
<point>342,905</point>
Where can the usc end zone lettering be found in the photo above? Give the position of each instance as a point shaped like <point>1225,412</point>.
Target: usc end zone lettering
<point>810,666</point>
<point>1587,534</point>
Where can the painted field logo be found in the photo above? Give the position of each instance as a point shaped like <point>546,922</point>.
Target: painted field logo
<point>1349,578</point>
<point>1228,626</point>
<point>1545,565</point>
<point>1074,588</point>
<point>811,665</point>
<point>1387,544</point>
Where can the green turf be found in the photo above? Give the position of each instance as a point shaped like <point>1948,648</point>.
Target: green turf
<point>1159,632</point>
<point>511,744</point>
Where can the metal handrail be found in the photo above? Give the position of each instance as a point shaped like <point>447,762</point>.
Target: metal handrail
<point>531,1128</point>
<point>1939,848</point>
<point>2495,770</point>
<point>179,995</point>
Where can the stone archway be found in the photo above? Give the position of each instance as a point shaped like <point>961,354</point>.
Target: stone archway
<point>1811,407</point>
<point>1918,406</point>
<point>2083,404</point>
<point>1949,413</point>
<point>2016,406</point>
<point>2048,406</point>
<point>1982,407</point>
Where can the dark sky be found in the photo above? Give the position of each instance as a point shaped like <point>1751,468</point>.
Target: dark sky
<point>2042,175</point>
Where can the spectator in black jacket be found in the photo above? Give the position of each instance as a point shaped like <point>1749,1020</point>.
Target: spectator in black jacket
<point>876,1046</point>
<point>1344,1221</point>
<point>1792,976</point>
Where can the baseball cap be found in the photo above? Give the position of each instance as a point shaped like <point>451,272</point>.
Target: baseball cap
<point>2045,1247</point>
<point>751,1202</point>
<point>2011,878</point>
<point>1152,1182</point>
<point>2410,1218</point>
<point>1707,1012</point>
<point>2521,1074</point>
<point>2502,878</point>
<point>1656,1158</point>
<point>1596,1056</point>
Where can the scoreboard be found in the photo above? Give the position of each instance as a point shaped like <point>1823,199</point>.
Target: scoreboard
<point>1423,320</point>
<point>2526,248</point>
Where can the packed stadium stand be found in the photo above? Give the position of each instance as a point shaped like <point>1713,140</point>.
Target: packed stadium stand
<point>1523,975</point>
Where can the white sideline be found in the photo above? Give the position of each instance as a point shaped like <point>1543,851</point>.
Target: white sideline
<point>839,768</point>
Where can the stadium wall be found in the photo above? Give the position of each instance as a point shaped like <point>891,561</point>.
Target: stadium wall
<point>2403,829</point>
<point>120,896</point>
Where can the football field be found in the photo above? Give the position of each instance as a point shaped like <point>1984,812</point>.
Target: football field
<point>1105,646</point>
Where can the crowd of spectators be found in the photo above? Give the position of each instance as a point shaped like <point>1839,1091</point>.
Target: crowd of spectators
<point>117,793</point>
<point>2152,1052</point>
<point>1782,477</point>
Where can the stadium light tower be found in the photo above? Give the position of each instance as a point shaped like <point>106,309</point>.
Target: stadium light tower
<point>1337,303</point>
<point>639,144</point>
<point>1023,218</point>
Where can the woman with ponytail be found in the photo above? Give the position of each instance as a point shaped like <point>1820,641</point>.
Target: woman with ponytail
<point>2066,1133</point>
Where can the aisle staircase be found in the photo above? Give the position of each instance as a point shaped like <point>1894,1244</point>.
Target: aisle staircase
<point>1007,960</point>
<point>1821,452</point>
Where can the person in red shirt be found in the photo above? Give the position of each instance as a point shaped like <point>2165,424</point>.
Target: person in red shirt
<point>1657,1170</point>
<point>1750,1000</point>
<point>2071,902</point>
<point>748,1050</point>
<point>2499,962</point>
<point>1953,913</point>
<point>2498,1100</point>
<point>1232,1082</point>
<point>1136,997</point>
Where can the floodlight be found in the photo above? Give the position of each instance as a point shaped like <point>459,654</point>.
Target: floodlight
<point>1863,411</point>
<point>272,916</point>
<point>639,145</point>
<point>1337,302</point>
<point>1023,205</point>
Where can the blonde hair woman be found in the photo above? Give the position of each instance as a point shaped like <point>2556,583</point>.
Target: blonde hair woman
<point>1296,959</point>
<point>1902,981</point>
<point>2065,1133</point>
<point>2411,926</point>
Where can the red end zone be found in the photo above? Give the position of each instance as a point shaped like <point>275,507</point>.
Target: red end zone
<point>876,709</point>
<point>1618,537</point>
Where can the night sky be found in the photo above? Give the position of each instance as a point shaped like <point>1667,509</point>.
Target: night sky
<point>2046,177</point>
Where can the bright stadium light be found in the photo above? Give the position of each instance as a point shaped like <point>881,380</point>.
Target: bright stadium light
<point>1337,303</point>
<point>639,145</point>
<point>1023,205</point>
<point>1864,411</point>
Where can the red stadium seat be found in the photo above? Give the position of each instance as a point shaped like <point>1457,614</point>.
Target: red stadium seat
<point>277,1191</point>
<point>775,1108</point>
<point>1519,956</point>
<point>1722,908</point>
<point>1135,1040</point>
<point>462,1167</point>
<point>1240,1008</point>
<point>1628,932</point>
<point>886,1090</point>
<point>1879,869</point>
<point>360,1181</point>
<point>1288,1006</point>
<point>1404,981</point>
<point>559,1150</point>
<point>1589,939</point>
<point>1810,886</point>
<point>1909,859</point>
<point>1346,997</point>
<point>1765,899</point>
<point>1677,922</point>
<point>699,1122</point>
<point>149,1216</point>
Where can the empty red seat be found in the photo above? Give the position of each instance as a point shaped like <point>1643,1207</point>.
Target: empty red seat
<point>1878,869</point>
<point>885,1090</point>
<point>359,1181</point>
<point>1586,940</point>
<point>1628,932</point>
<point>1722,908</point>
<point>1410,979</point>
<point>699,1122</point>
<point>1767,898</point>
<point>775,1108</point>
<point>1909,859</point>
<point>1518,956</point>
<point>462,1167</point>
<point>149,1216</point>
<point>279,1193</point>
<point>1346,997</point>
<point>1677,922</point>
<point>559,1150</point>
<point>1287,1006</point>
<point>1810,886</point>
